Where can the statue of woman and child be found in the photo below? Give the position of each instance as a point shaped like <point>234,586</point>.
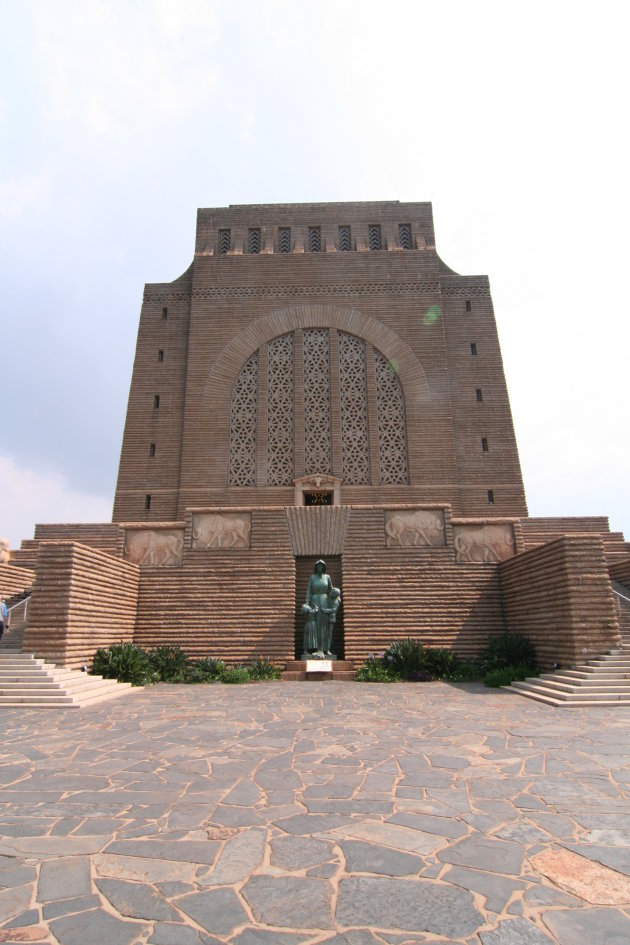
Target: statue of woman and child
<point>322,604</point>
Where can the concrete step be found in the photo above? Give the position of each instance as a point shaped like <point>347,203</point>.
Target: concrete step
<point>586,698</point>
<point>29,681</point>
<point>559,703</point>
<point>596,685</point>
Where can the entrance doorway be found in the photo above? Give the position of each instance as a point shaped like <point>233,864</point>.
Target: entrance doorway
<point>303,570</point>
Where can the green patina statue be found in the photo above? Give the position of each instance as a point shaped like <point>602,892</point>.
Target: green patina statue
<point>322,604</point>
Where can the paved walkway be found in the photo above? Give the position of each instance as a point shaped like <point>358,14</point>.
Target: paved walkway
<point>294,813</point>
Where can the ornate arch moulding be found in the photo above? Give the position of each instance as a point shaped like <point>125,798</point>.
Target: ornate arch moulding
<point>412,377</point>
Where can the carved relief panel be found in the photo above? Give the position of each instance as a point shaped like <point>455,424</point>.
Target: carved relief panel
<point>414,528</point>
<point>483,544</point>
<point>155,548</point>
<point>221,530</point>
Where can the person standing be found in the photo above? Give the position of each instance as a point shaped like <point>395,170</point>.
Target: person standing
<point>3,616</point>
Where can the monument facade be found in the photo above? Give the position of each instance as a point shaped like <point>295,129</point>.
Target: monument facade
<point>319,384</point>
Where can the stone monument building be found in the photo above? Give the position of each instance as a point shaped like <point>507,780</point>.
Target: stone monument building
<point>320,384</point>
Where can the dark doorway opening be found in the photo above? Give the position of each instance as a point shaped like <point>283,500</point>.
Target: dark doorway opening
<point>303,570</point>
<point>318,498</point>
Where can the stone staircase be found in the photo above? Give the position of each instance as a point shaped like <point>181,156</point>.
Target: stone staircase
<point>27,681</point>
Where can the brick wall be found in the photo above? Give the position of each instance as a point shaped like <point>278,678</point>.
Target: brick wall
<point>406,303</point>
<point>229,604</point>
<point>559,595</point>
<point>82,599</point>
<point>620,570</point>
<point>539,531</point>
<point>423,593</point>
<point>13,580</point>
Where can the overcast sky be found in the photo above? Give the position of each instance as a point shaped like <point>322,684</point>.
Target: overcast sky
<point>119,119</point>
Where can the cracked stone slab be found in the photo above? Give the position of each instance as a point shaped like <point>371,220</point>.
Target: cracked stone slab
<point>414,905</point>
<point>441,826</point>
<point>266,937</point>
<point>496,889</point>
<point>136,900</point>
<point>216,910</point>
<point>485,853</point>
<point>393,835</point>
<point>14,901</point>
<point>240,856</point>
<point>94,928</point>
<point>186,851</point>
<point>371,858</point>
<point>592,926</point>
<point>296,853</point>
<point>582,877</point>
<point>143,869</point>
<point>292,902</point>
<point>60,876</point>
<point>167,933</point>
<point>516,932</point>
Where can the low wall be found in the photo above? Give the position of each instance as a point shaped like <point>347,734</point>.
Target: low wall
<point>233,604</point>
<point>14,580</point>
<point>559,595</point>
<point>620,571</point>
<point>423,593</point>
<point>82,599</point>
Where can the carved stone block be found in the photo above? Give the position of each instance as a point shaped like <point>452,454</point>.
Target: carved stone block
<point>483,544</point>
<point>154,548</point>
<point>5,554</point>
<point>414,528</point>
<point>220,530</point>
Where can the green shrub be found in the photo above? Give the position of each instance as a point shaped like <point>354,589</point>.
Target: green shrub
<point>235,675</point>
<point>406,657</point>
<point>466,671</point>
<point>263,668</point>
<point>375,670</point>
<point>439,662</point>
<point>506,675</point>
<point>508,649</point>
<point>169,662</point>
<point>203,670</point>
<point>125,662</point>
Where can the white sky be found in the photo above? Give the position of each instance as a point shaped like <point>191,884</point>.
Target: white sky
<point>119,118</point>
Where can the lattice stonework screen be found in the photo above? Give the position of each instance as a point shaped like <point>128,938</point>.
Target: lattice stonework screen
<point>280,412</point>
<point>243,413</point>
<point>392,439</point>
<point>317,442</point>
<point>354,414</point>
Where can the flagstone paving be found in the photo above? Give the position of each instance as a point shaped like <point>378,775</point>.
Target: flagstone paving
<point>306,813</point>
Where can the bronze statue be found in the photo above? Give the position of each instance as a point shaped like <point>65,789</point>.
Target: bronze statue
<point>322,604</point>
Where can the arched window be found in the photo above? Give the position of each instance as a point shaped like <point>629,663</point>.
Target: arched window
<point>332,404</point>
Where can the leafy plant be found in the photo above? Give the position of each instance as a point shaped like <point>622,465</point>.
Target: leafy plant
<point>508,649</point>
<point>505,675</point>
<point>125,662</point>
<point>263,668</point>
<point>465,671</point>
<point>235,675</point>
<point>439,662</point>
<point>375,670</point>
<point>406,657</point>
<point>203,670</point>
<point>169,662</point>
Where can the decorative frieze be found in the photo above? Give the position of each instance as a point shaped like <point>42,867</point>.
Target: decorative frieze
<point>155,548</point>
<point>483,544</point>
<point>414,528</point>
<point>218,531</point>
<point>365,288</point>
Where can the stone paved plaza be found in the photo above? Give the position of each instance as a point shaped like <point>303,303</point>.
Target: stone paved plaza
<point>294,813</point>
